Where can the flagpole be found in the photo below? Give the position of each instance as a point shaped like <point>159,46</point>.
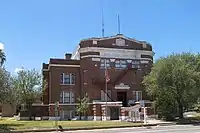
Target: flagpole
<point>106,90</point>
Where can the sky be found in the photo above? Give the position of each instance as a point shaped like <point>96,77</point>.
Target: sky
<point>33,31</point>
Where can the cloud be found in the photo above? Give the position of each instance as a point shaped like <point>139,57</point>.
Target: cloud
<point>1,46</point>
<point>18,69</point>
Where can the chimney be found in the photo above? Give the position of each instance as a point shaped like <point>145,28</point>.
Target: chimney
<point>68,56</point>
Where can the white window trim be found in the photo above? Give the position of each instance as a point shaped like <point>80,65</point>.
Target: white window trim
<point>103,63</point>
<point>137,95</point>
<point>120,63</point>
<point>70,97</point>
<point>70,79</point>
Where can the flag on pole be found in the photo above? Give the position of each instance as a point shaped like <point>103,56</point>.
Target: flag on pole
<point>107,76</point>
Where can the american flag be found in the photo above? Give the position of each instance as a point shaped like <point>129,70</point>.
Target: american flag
<point>107,76</point>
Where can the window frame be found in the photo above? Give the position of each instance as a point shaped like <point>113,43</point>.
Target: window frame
<point>104,62</point>
<point>121,64</point>
<point>71,97</point>
<point>72,78</point>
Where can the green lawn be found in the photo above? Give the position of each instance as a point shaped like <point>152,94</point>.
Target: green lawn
<point>8,124</point>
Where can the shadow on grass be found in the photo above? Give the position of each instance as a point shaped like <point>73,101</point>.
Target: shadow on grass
<point>8,127</point>
<point>194,121</point>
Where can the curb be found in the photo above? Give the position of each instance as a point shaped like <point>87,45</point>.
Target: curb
<point>73,129</point>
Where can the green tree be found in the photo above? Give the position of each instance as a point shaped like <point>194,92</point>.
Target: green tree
<point>83,105</point>
<point>174,84</point>
<point>2,57</point>
<point>28,88</point>
<point>5,85</point>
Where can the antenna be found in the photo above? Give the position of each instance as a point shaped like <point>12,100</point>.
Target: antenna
<point>118,24</point>
<point>102,23</point>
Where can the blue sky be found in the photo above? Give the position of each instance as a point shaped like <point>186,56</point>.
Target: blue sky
<point>35,30</point>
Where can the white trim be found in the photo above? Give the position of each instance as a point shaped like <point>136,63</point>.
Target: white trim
<point>97,118</point>
<point>117,36</point>
<point>117,57</point>
<point>67,104</point>
<point>37,104</point>
<point>115,52</point>
<point>118,102</point>
<point>96,59</point>
<point>112,60</point>
<point>70,78</point>
<point>137,95</point>
<point>122,87</point>
<point>144,61</point>
<point>62,65</point>
<point>75,54</point>
<point>54,118</point>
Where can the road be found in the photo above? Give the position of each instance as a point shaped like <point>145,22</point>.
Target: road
<point>157,129</point>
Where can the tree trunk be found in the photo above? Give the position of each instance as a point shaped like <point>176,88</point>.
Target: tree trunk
<point>180,107</point>
<point>30,112</point>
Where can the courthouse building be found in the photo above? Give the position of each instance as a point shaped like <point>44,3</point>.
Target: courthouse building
<point>126,61</point>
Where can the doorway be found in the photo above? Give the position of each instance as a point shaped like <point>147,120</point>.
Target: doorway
<point>114,113</point>
<point>122,96</point>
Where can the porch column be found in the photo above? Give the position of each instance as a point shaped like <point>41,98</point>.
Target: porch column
<point>94,112</point>
<point>122,112</point>
<point>103,112</point>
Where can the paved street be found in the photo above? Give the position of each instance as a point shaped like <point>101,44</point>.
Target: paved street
<point>157,129</point>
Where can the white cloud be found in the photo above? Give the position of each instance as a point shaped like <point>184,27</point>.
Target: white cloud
<point>1,46</point>
<point>18,69</point>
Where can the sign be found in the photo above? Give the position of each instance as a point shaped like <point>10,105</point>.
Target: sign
<point>120,42</point>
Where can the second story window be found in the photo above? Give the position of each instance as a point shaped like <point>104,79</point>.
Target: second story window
<point>105,63</point>
<point>135,64</point>
<point>67,79</point>
<point>120,64</point>
<point>67,97</point>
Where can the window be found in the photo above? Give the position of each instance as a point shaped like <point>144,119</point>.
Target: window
<point>137,95</point>
<point>103,95</point>
<point>105,62</point>
<point>135,64</point>
<point>120,64</point>
<point>66,97</point>
<point>67,79</point>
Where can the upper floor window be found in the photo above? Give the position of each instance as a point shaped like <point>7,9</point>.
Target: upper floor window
<point>135,64</point>
<point>103,95</point>
<point>105,63</point>
<point>120,64</point>
<point>137,95</point>
<point>67,79</point>
<point>67,97</point>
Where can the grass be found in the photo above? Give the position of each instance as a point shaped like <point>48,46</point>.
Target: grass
<point>10,124</point>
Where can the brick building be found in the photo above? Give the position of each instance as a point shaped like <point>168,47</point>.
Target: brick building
<point>126,60</point>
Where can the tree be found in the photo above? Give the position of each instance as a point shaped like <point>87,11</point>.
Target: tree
<point>5,85</point>
<point>28,88</point>
<point>83,106</point>
<point>2,57</point>
<point>174,84</point>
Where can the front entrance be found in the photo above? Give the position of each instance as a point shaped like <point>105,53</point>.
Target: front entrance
<point>114,113</point>
<point>122,96</point>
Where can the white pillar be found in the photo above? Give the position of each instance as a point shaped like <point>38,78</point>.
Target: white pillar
<point>145,116</point>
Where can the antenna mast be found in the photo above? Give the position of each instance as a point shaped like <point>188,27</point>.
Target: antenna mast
<point>102,23</point>
<point>118,24</point>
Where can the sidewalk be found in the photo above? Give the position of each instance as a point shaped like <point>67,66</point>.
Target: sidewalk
<point>160,122</point>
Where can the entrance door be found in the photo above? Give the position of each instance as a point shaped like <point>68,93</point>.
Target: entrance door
<point>114,113</point>
<point>122,96</point>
